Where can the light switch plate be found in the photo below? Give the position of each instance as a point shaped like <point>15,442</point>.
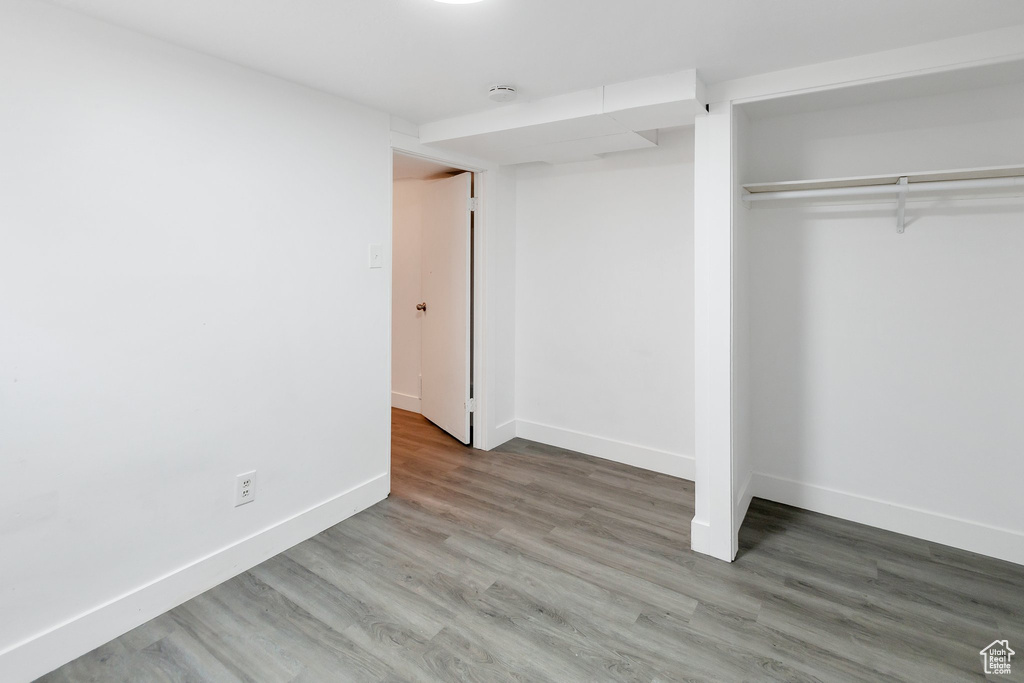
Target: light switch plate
<point>376,256</point>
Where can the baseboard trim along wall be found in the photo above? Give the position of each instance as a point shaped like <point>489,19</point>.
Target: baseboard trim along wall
<point>46,651</point>
<point>405,402</point>
<point>746,495</point>
<point>1004,544</point>
<point>700,536</point>
<point>674,464</point>
<point>504,432</point>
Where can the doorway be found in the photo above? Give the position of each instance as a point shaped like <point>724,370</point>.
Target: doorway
<point>432,293</point>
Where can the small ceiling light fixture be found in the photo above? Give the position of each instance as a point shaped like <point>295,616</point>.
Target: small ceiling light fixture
<point>502,93</point>
<point>457,2</point>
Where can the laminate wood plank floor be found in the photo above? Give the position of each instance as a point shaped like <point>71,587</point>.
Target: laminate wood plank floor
<point>531,563</point>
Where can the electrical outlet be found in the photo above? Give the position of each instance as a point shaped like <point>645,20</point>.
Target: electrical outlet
<point>245,488</point>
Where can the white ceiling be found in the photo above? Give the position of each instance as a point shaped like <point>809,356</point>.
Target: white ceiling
<point>423,60</point>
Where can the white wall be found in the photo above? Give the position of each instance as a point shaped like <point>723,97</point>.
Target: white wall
<point>960,129</point>
<point>184,296</point>
<point>406,293</point>
<point>886,368</point>
<point>604,305</point>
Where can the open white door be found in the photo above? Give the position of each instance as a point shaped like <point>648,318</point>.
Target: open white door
<point>446,295</point>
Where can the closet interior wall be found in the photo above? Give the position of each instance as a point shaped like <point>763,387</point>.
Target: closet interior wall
<point>742,448</point>
<point>883,372</point>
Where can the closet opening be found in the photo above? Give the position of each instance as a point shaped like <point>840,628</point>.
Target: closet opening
<point>876,358</point>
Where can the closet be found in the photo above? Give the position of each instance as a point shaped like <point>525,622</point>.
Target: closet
<point>878,331</point>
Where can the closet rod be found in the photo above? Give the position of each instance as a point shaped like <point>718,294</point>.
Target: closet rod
<point>896,189</point>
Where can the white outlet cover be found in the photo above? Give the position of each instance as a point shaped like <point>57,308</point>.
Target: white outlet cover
<point>245,488</point>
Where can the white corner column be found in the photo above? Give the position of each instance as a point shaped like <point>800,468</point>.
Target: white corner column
<point>712,531</point>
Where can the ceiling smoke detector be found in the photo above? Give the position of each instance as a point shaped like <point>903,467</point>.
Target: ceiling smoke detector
<point>502,93</point>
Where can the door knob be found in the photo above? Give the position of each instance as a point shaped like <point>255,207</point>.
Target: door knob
<point>422,307</point>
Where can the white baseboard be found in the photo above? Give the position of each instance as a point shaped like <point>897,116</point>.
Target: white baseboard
<point>746,495</point>
<point>504,433</point>
<point>674,464</point>
<point>700,537</point>
<point>405,402</point>
<point>1003,544</point>
<point>46,651</point>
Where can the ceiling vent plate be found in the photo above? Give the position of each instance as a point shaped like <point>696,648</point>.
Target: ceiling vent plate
<point>502,93</point>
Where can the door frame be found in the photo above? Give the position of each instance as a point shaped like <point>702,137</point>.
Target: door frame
<point>485,176</point>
